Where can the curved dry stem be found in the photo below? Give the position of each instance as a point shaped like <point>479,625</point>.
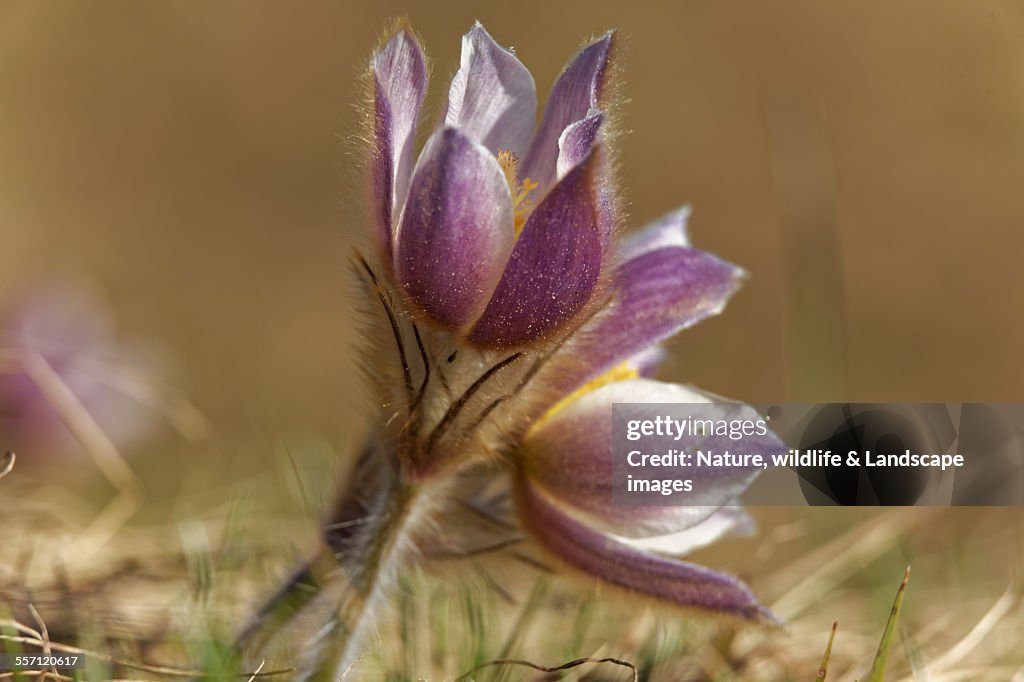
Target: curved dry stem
<point>553,669</point>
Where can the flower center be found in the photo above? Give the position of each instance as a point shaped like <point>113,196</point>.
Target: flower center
<point>621,372</point>
<point>521,204</point>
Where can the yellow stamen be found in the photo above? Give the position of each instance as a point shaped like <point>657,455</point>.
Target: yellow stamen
<point>509,163</point>
<point>620,372</point>
<point>521,204</point>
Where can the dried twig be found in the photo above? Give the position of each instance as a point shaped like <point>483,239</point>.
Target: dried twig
<point>545,669</point>
<point>44,674</point>
<point>44,635</point>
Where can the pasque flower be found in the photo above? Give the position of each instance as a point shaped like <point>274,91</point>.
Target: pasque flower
<point>497,232</point>
<point>508,315</point>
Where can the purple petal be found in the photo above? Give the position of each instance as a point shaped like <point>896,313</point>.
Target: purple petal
<point>577,140</point>
<point>578,90</point>
<point>553,269</point>
<point>574,146</point>
<point>659,293</point>
<point>399,83</point>
<point>492,97</point>
<point>669,230</point>
<point>569,453</point>
<point>457,229</point>
<point>603,557</point>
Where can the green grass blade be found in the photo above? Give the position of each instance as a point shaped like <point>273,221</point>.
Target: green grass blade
<point>823,668</point>
<point>877,673</point>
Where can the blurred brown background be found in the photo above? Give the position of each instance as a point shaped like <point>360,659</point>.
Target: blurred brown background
<point>863,160</point>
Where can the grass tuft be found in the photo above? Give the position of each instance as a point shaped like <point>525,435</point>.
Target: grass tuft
<point>877,673</point>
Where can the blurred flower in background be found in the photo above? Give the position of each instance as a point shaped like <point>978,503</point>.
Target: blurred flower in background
<point>66,379</point>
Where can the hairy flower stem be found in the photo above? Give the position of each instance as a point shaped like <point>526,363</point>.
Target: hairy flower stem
<point>387,541</point>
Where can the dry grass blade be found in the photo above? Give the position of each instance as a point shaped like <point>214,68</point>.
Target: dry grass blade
<point>79,421</point>
<point>545,669</point>
<point>352,667</point>
<point>1003,607</point>
<point>100,448</point>
<point>256,673</point>
<point>877,673</point>
<point>823,668</point>
<point>147,390</point>
<point>803,582</point>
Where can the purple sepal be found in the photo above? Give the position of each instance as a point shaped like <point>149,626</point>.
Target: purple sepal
<point>569,453</point>
<point>399,84</point>
<point>457,230</point>
<point>574,145</point>
<point>607,559</point>
<point>658,293</point>
<point>669,230</point>
<point>492,96</point>
<point>578,90</point>
<point>554,266</point>
<point>577,140</point>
